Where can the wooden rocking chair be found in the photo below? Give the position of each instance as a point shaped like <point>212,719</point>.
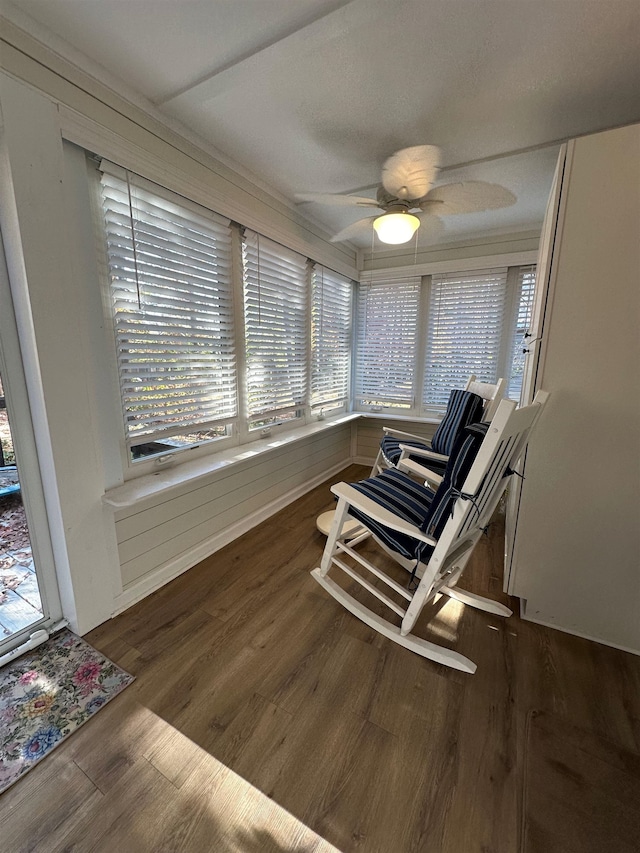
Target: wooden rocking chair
<point>430,534</point>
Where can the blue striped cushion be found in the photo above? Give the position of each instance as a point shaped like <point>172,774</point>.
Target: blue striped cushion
<point>390,447</point>
<point>401,495</point>
<point>416,503</point>
<point>392,453</point>
<point>437,467</point>
<point>463,408</point>
<point>460,462</point>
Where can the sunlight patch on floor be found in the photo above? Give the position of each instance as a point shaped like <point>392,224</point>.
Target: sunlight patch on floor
<point>444,623</point>
<point>231,813</point>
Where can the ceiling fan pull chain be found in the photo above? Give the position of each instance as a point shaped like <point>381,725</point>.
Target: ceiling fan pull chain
<point>133,241</point>
<point>259,282</point>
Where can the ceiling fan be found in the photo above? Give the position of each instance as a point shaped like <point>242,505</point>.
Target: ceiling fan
<point>406,200</point>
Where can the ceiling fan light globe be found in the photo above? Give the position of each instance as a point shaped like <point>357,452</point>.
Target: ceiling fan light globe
<point>396,228</point>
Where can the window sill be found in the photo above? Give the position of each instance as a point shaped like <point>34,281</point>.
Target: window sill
<point>400,418</point>
<point>149,486</point>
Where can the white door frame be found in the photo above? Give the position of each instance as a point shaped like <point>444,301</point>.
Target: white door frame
<point>20,420</point>
<point>550,238</point>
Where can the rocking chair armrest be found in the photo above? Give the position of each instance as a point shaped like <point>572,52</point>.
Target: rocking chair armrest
<point>397,433</point>
<point>407,450</point>
<point>359,501</point>
<point>418,470</point>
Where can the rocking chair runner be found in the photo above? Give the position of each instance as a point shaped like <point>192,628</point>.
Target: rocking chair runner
<point>430,534</point>
<point>478,401</point>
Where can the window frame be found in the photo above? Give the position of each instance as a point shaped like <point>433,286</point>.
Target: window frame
<point>239,434</point>
<point>338,280</point>
<point>526,276</point>
<point>419,409</point>
<point>367,307</point>
<point>194,193</point>
<point>296,283</point>
<point>431,408</point>
<point>165,199</point>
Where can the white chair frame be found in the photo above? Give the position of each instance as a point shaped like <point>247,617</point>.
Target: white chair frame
<point>492,394</point>
<point>486,482</point>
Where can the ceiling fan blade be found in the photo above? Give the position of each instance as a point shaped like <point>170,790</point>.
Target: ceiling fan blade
<point>410,172</point>
<point>356,229</point>
<point>341,200</point>
<point>466,197</point>
<point>431,228</point>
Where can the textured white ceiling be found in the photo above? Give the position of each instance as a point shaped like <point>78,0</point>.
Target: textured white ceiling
<point>313,95</point>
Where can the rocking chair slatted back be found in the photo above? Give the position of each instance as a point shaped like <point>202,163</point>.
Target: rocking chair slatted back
<point>491,393</point>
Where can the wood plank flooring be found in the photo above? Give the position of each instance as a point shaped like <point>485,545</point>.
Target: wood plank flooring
<point>265,717</point>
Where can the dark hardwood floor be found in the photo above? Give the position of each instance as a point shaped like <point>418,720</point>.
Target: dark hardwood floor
<point>264,717</point>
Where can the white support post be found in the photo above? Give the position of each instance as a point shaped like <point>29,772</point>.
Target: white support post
<point>330,548</point>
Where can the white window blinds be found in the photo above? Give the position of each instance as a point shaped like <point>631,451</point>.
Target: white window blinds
<point>465,324</point>
<point>387,316</point>
<point>275,308</point>
<point>170,276</point>
<point>526,291</point>
<point>330,338</point>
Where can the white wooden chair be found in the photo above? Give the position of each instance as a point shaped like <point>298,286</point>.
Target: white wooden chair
<point>429,534</point>
<point>397,445</point>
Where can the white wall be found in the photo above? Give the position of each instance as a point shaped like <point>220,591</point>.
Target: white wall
<point>578,536</point>
<point>45,222</point>
<point>504,244</point>
<point>53,318</point>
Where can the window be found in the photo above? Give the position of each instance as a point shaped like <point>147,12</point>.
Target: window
<point>526,289</point>
<point>330,340</point>
<point>417,338</point>
<point>187,374</point>
<point>276,312</point>
<point>170,284</point>
<point>386,335</point>
<point>465,323</point>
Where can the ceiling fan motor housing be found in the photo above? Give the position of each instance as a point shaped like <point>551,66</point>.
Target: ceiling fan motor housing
<point>387,201</point>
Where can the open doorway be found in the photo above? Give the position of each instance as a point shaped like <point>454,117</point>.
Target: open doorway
<point>20,600</point>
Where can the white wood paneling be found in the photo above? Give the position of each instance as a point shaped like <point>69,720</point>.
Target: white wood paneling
<point>438,257</point>
<point>369,434</point>
<point>233,487</point>
<point>152,537</point>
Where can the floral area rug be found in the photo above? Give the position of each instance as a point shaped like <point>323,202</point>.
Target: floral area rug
<point>46,694</point>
